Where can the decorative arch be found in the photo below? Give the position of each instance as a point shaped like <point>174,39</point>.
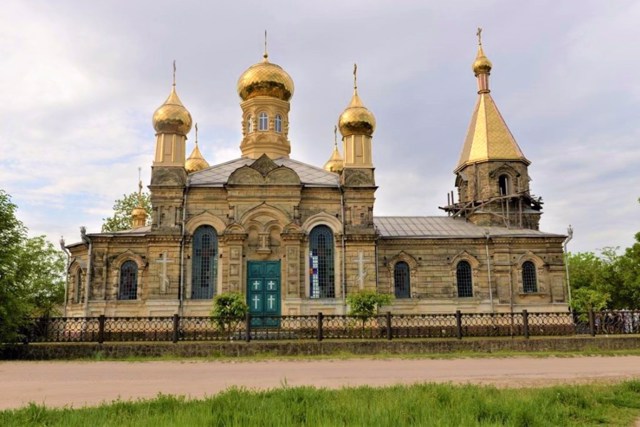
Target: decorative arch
<point>205,218</point>
<point>128,279</point>
<point>530,271</point>
<point>464,271</point>
<point>412,269</point>
<point>263,214</point>
<point>76,279</point>
<point>322,218</point>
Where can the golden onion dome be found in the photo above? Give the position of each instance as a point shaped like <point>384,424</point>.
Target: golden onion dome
<point>265,79</point>
<point>335,162</point>
<point>138,212</point>
<point>356,119</point>
<point>481,65</point>
<point>172,116</point>
<point>196,161</point>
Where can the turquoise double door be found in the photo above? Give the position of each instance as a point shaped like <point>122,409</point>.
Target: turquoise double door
<point>263,292</point>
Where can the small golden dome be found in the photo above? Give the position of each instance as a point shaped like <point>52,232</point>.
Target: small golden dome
<point>196,161</point>
<point>265,79</point>
<point>172,116</point>
<point>481,65</point>
<point>335,162</point>
<point>356,119</point>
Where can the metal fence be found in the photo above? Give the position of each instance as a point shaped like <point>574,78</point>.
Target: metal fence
<point>331,327</point>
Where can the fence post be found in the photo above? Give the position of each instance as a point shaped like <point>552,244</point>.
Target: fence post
<point>389,330</point>
<point>248,326</point>
<point>459,324</point>
<point>176,328</point>
<point>592,323</point>
<point>101,322</point>
<point>320,318</point>
<point>525,323</point>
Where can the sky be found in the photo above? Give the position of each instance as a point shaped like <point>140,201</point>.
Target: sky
<point>81,80</point>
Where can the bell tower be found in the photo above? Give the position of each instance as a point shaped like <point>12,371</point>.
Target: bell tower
<point>492,175</point>
<point>265,90</point>
<point>172,122</point>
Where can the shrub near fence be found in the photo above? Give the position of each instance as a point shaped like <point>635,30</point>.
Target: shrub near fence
<point>333,327</point>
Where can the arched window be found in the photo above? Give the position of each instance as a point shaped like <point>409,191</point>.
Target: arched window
<point>76,297</point>
<point>463,277</point>
<point>503,183</point>
<point>401,280</point>
<point>204,263</point>
<point>322,277</point>
<point>278,123</point>
<point>529,280</point>
<point>263,123</point>
<point>128,281</point>
<point>250,124</point>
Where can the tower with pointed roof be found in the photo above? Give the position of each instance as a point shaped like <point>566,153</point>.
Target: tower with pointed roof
<point>492,175</point>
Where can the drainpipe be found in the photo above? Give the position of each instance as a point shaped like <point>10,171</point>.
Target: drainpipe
<point>182,239</point>
<point>66,282</point>
<point>486,245</point>
<point>566,260</point>
<point>344,250</point>
<point>87,240</point>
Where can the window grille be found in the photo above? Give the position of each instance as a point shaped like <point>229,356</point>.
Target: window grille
<point>463,276</point>
<point>278,123</point>
<point>128,281</point>
<point>401,280</point>
<point>204,263</point>
<point>529,280</point>
<point>321,268</point>
<point>263,122</point>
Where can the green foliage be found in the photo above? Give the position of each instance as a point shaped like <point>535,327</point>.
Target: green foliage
<point>420,404</point>
<point>229,309</point>
<point>121,219</point>
<point>366,303</point>
<point>586,299</point>
<point>31,274</point>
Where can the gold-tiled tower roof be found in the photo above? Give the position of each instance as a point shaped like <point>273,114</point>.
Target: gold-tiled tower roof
<point>196,161</point>
<point>488,137</point>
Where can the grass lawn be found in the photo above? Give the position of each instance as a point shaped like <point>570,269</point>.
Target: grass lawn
<point>421,405</point>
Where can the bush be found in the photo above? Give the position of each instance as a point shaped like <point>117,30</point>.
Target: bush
<point>365,304</point>
<point>228,310</point>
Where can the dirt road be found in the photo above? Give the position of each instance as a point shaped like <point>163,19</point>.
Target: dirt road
<point>89,383</point>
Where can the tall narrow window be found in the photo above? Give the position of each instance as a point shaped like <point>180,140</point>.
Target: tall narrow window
<point>205,263</point>
<point>250,124</point>
<point>463,276</point>
<point>263,123</point>
<point>401,280</point>
<point>128,281</point>
<point>503,183</point>
<point>278,123</point>
<point>529,280</point>
<point>322,277</point>
<point>76,297</point>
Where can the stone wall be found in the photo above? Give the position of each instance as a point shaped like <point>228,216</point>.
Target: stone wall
<point>307,348</point>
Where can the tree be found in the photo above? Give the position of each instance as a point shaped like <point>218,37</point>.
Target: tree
<point>629,273</point>
<point>31,274</point>
<point>121,219</point>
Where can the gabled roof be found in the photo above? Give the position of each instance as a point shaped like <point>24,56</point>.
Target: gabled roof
<point>218,175</point>
<point>445,227</point>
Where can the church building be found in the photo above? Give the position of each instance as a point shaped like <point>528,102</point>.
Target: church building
<point>296,238</point>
